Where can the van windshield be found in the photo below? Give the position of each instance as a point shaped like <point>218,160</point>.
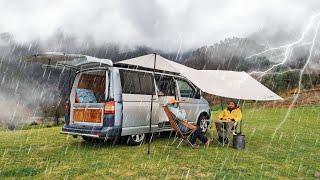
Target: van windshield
<point>91,87</point>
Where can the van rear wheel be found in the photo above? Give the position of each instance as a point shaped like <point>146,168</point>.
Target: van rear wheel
<point>136,139</point>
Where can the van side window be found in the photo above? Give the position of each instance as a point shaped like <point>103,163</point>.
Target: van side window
<point>146,82</point>
<point>166,85</point>
<point>185,89</point>
<point>133,82</point>
<point>130,82</point>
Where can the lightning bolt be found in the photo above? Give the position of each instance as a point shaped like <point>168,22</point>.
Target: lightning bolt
<point>287,53</point>
<point>296,95</point>
<point>287,48</point>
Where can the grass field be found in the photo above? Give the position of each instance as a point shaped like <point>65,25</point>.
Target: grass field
<point>294,152</point>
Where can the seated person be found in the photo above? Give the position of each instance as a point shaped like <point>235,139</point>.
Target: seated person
<point>229,119</point>
<point>184,126</point>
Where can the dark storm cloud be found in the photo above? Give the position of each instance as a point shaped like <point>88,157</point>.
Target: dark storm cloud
<point>167,25</point>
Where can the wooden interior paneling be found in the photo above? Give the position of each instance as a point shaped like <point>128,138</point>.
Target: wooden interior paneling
<point>94,82</point>
<point>87,115</point>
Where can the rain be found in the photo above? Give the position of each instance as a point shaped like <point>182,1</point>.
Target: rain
<point>73,105</point>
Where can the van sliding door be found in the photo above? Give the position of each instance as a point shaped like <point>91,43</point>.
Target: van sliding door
<point>166,88</point>
<point>137,90</point>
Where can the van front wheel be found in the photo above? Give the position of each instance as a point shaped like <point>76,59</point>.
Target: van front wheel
<point>202,123</point>
<point>136,139</point>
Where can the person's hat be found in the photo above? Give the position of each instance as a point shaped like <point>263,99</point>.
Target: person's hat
<point>172,101</point>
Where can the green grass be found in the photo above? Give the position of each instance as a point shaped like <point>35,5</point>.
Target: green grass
<point>292,154</point>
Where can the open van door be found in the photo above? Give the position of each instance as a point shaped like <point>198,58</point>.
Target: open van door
<point>87,99</point>
<point>87,107</point>
<point>53,59</point>
<point>72,61</point>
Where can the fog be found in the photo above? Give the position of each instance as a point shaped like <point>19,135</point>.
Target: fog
<point>169,25</point>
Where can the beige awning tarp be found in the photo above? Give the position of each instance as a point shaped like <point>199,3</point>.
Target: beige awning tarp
<point>230,84</point>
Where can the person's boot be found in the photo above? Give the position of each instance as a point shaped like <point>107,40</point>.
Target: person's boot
<point>226,141</point>
<point>195,146</point>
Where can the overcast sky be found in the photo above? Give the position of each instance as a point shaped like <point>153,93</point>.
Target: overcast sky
<point>162,24</point>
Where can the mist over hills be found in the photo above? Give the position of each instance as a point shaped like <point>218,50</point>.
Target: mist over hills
<point>228,54</point>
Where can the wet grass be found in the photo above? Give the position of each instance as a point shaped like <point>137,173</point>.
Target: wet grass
<point>292,153</point>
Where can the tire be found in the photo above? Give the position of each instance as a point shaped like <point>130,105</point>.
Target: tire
<point>136,139</point>
<point>202,123</point>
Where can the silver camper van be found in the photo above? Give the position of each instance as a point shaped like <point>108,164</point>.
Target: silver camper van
<point>114,100</point>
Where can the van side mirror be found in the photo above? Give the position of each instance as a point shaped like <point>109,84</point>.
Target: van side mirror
<point>197,94</point>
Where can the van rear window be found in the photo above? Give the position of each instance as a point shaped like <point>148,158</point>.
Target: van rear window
<point>91,87</point>
<point>133,82</point>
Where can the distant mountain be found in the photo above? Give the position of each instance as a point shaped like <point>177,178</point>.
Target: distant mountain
<point>228,54</point>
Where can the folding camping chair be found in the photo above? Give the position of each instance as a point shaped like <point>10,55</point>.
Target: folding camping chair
<point>179,135</point>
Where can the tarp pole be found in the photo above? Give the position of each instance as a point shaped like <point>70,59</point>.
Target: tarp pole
<point>150,120</point>
<point>221,103</point>
<point>242,106</point>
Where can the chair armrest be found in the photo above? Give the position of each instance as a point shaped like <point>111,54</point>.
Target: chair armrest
<point>188,125</point>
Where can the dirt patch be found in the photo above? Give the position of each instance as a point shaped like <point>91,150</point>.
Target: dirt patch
<point>307,97</point>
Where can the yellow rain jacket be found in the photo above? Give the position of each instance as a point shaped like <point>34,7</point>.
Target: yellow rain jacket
<point>234,114</point>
